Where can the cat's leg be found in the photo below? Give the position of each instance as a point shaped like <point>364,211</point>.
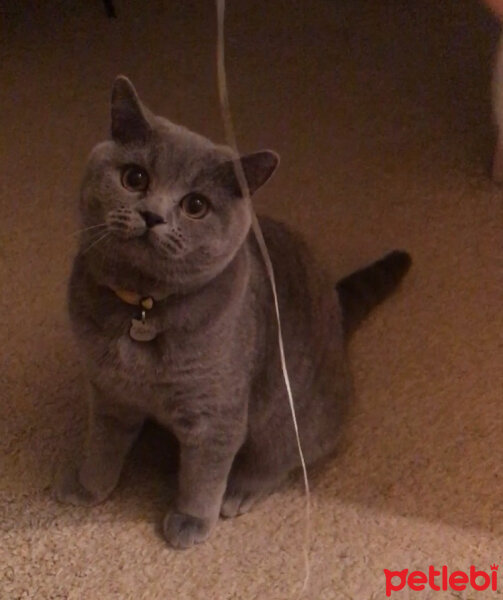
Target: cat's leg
<point>264,463</point>
<point>254,475</point>
<point>111,432</point>
<point>202,479</point>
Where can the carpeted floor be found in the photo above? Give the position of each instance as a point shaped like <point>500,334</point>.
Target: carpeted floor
<point>380,111</point>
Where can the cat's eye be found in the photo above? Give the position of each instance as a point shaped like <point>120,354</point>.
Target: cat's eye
<point>195,206</point>
<point>135,178</point>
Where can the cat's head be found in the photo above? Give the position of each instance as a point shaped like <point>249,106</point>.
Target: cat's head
<point>162,203</point>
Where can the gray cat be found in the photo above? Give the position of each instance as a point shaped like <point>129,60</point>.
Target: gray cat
<point>173,314</point>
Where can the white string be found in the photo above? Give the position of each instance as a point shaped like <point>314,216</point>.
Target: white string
<point>231,140</point>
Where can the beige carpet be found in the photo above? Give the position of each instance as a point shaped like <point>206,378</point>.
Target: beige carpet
<point>380,112</point>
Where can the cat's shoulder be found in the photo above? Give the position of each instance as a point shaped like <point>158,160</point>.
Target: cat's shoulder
<point>282,241</point>
<point>277,233</point>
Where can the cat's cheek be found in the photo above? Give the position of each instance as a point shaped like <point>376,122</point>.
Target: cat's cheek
<point>125,224</point>
<point>91,204</point>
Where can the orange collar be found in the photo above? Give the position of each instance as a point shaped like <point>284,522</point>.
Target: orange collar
<point>133,298</point>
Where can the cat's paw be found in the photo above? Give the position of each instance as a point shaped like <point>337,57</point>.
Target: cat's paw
<point>69,490</point>
<point>239,502</point>
<point>183,531</point>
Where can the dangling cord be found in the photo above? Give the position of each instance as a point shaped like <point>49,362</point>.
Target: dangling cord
<point>231,140</point>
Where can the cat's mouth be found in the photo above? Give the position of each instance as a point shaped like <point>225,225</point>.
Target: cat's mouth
<point>148,248</point>
<point>147,264</point>
<point>145,230</point>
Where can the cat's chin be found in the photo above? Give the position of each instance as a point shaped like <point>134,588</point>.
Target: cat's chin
<point>144,265</point>
<point>117,275</point>
<point>129,264</point>
<point>145,272</point>
<point>148,248</point>
<point>141,251</point>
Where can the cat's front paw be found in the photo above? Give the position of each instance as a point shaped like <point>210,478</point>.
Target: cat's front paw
<point>69,490</point>
<point>239,502</point>
<point>183,531</point>
<point>242,494</point>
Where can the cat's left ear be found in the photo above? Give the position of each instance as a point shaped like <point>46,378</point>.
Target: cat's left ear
<point>130,119</point>
<point>258,168</point>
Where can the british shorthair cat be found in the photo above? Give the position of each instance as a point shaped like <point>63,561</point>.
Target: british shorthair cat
<point>173,314</point>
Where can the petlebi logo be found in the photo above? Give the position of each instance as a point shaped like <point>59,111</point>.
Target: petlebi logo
<point>442,579</point>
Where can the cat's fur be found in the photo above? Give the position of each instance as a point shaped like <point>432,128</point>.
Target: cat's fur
<point>212,374</point>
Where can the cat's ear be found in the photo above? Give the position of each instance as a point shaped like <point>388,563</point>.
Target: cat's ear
<point>130,119</point>
<point>258,168</point>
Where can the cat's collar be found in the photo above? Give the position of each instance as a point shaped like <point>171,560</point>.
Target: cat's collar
<point>140,330</point>
<point>133,298</point>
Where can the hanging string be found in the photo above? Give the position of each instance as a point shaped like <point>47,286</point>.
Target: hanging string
<point>231,141</point>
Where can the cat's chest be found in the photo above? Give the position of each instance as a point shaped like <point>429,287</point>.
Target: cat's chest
<point>170,371</point>
<point>171,359</point>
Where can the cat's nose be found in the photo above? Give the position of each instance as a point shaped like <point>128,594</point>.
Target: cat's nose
<point>151,219</point>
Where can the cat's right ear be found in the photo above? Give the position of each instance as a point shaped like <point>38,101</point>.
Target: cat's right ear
<point>130,119</point>
<point>257,167</point>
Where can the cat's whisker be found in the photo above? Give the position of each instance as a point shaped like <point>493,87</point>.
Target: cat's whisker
<point>93,236</point>
<point>95,242</point>
<point>87,229</point>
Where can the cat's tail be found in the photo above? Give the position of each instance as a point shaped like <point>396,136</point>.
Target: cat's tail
<point>366,288</point>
